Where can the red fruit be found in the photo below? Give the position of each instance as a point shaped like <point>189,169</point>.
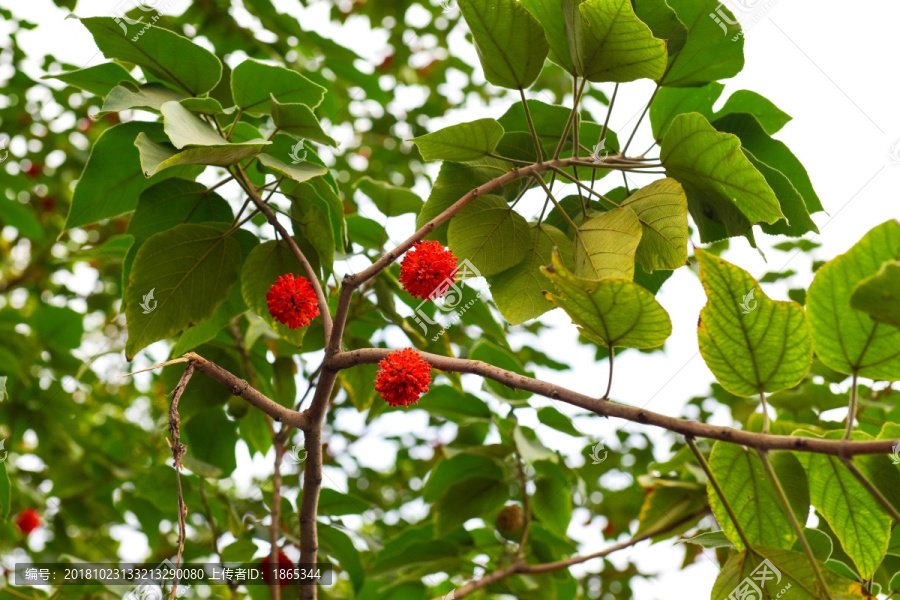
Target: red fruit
<point>34,170</point>
<point>28,520</point>
<point>112,118</point>
<point>426,268</point>
<point>284,562</point>
<point>403,376</point>
<point>609,530</point>
<point>47,203</point>
<point>292,301</point>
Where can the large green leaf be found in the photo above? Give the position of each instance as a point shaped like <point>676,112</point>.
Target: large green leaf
<point>794,579</point>
<point>211,437</point>
<point>726,194</point>
<point>156,158</point>
<point>797,221</point>
<point>490,234</point>
<point>150,96</point>
<point>879,295</point>
<point>551,15</point>
<point>510,42</point>
<point>773,152</point>
<point>254,84</point>
<point>751,344</point>
<point>286,158</point>
<point>610,312</point>
<point>606,245</point>
<point>98,80</point>
<point>163,53</point>
<point>709,54</point>
<point>266,263</point>
<point>175,201</point>
<point>857,519</point>
<point>612,44</point>
<point>299,121</point>
<point>552,500</point>
<point>848,340</point>
<point>662,209</point>
<point>185,129</point>
<point>450,470</point>
<point>663,22</point>
<point>391,200</point>
<point>112,180</point>
<point>181,275</point>
<point>769,116</point>
<point>458,143</point>
<point>671,102</point>
<point>310,215</point>
<point>476,497</point>
<point>753,497</point>
<point>4,485</point>
<point>518,291</point>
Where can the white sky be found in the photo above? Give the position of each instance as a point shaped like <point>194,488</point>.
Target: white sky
<point>829,66</point>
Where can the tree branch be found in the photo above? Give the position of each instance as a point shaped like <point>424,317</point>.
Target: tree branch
<point>298,254</point>
<point>241,388</point>
<point>608,408</point>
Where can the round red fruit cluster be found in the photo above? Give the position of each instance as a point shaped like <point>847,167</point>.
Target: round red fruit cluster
<point>284,567</point>
<point>403,376</point>
<point>28,520</point>
<point>425,268</point>
<point>292,301</point>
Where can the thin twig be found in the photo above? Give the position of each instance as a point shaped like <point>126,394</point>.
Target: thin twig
<point>854,397</point>
<point>178,450</point>
<point>612,354</point>
<point>534,136</point>
<point>874,491</point>
<point>638,124</point>
<point>786,505</point>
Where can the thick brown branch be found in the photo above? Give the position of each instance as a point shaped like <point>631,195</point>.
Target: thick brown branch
<point>607,408</point>
<point>298,254</point>
<point>241,388</point>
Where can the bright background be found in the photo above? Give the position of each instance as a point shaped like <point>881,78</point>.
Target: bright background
<point>827,63</point>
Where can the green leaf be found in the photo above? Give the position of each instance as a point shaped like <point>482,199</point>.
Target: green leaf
<point>211,437</point>
<point>490,234</point>
<point>726,194</point>
<point>794,574</point>
<point>663,22</point>
<point>552,500</point>
<point>57,326</point>
<point>518,291</point>
<point>476,497</point>
<point>182,275</point>
<point>17,215</point>
<point>206,330</point>
<point>391,200</point>
<point>550,14</point>
<point>610,312</point>
<point>253,84</point>
<point>797,221</point>
<point>857,519</point>
<point>848,340</point>
<point>671,102</point>
<point>299,121</point>
<point>150,96</point>
<point>662,210</point>
<point>510,42</point>
<point>751,344</point>
<point>175,201</point>
<point>449,471</point>
<point>204,106</point>
<point>98,80</point>
<point>666,506</point>
<point>462,142</point>
<point>709,53</point>
<point>753,497</point>
<point>879,295</point>
<point>612,44</point>
<point>769,116</point>
<point>551,417</point>
<point>112,180</point>
<point>505,359</point>
<point>770,151</point>
<point>549,121</point>
<point>311,222</point>
<point>158,51</point>
<point>159,157</point>
<point>338,544</point>
<point>606,245</point>
<point>359,383</point>
<point>453,404</point>
<point>266,263</point>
